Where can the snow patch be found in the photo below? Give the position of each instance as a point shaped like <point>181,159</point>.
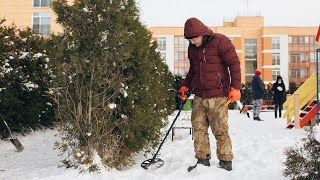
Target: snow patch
<point>38,55</point>
<point>24,54</point>
<point>112,105</point>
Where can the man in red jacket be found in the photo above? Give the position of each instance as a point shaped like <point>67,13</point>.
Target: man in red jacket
<point>215,75</point>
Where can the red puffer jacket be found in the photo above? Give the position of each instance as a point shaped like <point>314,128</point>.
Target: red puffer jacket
<point>210,63</point>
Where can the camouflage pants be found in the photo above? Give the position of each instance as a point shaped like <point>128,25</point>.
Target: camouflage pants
<point>211,112</point>
<point>257,103</point>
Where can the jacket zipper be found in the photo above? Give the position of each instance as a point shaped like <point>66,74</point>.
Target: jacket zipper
<point>203,60</point>
<point>220,81</point>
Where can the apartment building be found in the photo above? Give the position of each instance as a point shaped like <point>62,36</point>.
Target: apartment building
<point>285,51</point>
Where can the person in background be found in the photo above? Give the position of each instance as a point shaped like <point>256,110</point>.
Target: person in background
<point>258,92</point>
<point>215,75</point>
<point>279,95</point>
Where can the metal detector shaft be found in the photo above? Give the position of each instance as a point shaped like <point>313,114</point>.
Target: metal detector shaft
<point>175,119</point>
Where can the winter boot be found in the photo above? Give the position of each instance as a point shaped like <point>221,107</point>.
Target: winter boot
<point>204,162</point>
<point>258,119</point>
<point>227,165</point>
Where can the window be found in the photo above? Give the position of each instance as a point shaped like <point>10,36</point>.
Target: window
<point>312,57</point>
<point>162,43</point>
<point>299,73</point>
<point>251,66</point>
<point>312,40</point>
<point>304,57</point>
<point>275,73</point>
<point>294,57</point>
<point>301,39</point>
<point>275,59</point>
<point>181,49</point>
<point>290,39</point>
<point>294,73</point>
<point>251,49</point>
<point>306,40</point>
<point>163,56</point>
<point>41,23</point>
<point>276,43</point>
<point>41,3</point>
<point>294,39</point>
<point>181,61</point>
<point>303,73</point>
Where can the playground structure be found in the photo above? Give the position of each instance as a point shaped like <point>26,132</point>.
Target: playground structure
<point>301,106</point>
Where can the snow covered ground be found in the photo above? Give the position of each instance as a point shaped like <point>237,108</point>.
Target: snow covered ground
<point>257,146</point>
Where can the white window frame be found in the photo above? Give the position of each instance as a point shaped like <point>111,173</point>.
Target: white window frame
<point>275,43</point>
<point>275,73</point>
<point>162,43</point>
<point>312,56</point>
<point>275,58</point>
<point>290,39</point>
<point>41,15</point>
<point>163,56</point>
<point>40,4</point>
<point>306,39</point>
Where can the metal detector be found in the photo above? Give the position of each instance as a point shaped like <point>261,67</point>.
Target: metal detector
<point>155,162</point>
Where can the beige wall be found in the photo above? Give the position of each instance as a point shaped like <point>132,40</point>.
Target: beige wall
<point>293,31</point>
<point>20,12</point>
<point>178,31</point>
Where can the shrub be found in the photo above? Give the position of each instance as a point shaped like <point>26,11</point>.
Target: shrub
<point>303,161</point>
<point>25,80</point>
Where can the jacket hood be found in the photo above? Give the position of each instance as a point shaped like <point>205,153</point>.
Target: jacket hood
<point>279,77</point>
<point>194,27</point>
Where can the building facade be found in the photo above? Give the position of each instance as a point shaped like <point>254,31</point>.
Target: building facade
<point>35,14</point>
<point>285,51</point>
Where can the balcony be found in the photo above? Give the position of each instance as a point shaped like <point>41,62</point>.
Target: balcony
<point>299,64</point>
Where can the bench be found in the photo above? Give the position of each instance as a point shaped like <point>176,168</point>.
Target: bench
<point>267,105</point>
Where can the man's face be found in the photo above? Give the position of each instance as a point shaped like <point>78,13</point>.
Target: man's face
<point>197,41</point>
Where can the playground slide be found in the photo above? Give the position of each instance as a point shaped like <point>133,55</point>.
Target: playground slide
<point>306,115</point>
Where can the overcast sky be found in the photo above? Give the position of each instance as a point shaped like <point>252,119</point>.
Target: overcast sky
<point>213,12</point>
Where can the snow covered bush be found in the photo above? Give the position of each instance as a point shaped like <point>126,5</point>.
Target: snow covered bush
<point>303,161</point>
<point>25,80</point>
<point>111,87</point>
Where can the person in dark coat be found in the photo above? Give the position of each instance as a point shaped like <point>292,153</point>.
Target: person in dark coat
<point>215,75</point>
<point>258,92</point>
<point>279,95</point>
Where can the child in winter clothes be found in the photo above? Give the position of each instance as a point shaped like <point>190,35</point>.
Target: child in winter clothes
<point>257,94</point>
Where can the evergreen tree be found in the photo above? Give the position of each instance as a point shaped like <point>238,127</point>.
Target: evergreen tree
<point>246,93</point>
<point>302,161</point>
<point>292,87</point>
<point>25,80</point>
<point>268,93</point>
<point>111,83</point>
